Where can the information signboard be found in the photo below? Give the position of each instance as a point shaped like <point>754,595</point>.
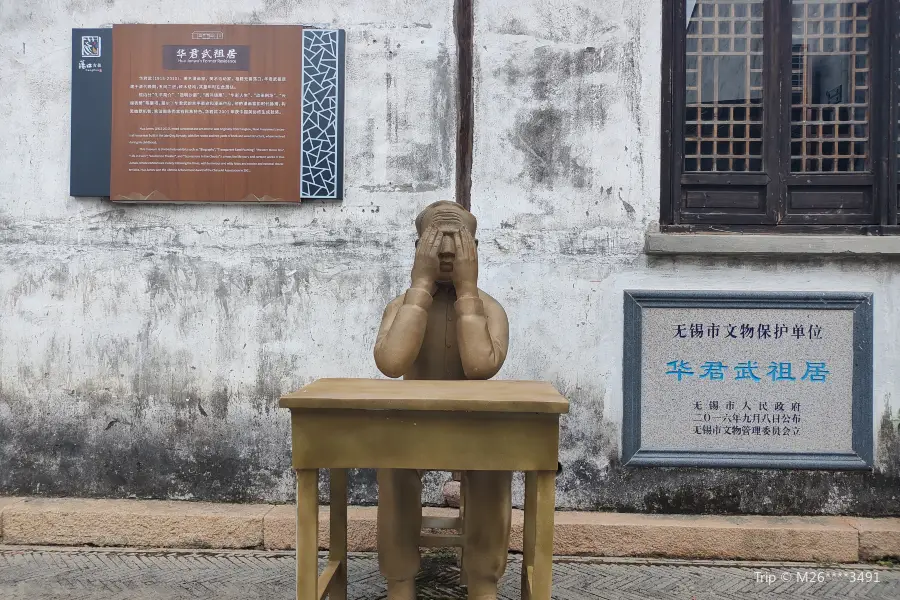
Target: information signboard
<point>206,113</point>
<point>748,379</point>
<point>209,113</point>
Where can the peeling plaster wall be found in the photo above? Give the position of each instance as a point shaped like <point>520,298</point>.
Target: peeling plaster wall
<point>143,348</point>
<point>566,184</point>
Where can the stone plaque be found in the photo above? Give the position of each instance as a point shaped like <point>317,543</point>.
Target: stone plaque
<point>731,379</point>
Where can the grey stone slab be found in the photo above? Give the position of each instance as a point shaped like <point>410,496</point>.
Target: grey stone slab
<point>748,379</point>
<point>672,410</point>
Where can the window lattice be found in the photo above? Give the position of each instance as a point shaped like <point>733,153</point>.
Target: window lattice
<point>723,86</point>
<point>830,81</point>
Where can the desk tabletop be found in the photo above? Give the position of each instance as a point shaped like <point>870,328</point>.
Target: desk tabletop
<point>428,395</point>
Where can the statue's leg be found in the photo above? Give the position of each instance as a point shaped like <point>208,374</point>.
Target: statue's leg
<point>399,530</point>
<point>488,513</point>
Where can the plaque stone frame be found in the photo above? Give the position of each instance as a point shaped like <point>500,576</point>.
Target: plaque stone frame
<point>634,453</point>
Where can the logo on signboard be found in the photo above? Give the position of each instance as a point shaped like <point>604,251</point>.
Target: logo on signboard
<point>90,46</point>
<point>207,35</point>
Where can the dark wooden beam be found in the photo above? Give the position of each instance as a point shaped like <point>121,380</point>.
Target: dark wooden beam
<point>464,24</point>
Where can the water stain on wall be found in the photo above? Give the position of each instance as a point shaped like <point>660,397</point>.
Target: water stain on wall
<point>563,97</point>
<point>430,162</point>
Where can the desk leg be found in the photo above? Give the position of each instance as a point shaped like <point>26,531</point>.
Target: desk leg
<point>307,530</point>
<point>337,546</point>
<point>528,533</point>
<point>463,581</point>
<point>543,535</point>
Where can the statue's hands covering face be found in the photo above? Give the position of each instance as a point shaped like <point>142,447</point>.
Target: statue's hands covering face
<point>465,264</point>
<point>426,264</point>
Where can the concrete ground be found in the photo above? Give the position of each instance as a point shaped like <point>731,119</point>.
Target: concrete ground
<point>36,573</point>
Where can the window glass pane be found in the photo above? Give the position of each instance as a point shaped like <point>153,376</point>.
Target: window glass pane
<point>830,77</point>
<point>723,86</point>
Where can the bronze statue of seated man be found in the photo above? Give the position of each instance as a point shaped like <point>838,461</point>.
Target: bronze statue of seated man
<point>443,327</point>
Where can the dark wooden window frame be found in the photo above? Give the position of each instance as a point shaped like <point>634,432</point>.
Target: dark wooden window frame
<point>776,183</point>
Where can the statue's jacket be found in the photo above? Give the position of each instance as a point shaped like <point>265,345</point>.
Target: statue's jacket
<point>440,336</point>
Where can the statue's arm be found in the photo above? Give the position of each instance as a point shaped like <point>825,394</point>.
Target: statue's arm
<point>402,331</point>
<point>482,331</point>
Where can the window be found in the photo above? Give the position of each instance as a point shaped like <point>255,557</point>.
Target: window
<point>781,115</point>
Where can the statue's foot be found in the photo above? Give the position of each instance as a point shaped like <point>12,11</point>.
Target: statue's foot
<point>401,589</point>
<point>451,493</point>
<point>482,591</point>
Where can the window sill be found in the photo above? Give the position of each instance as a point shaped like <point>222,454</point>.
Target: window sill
<point>739,244</point>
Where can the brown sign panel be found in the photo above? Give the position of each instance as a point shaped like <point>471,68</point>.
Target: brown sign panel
<point>206,113</point>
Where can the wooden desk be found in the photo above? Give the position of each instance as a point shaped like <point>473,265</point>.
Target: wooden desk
<point>341,424</point>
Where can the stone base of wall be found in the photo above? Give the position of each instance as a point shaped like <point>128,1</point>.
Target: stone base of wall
<point>163,524</point>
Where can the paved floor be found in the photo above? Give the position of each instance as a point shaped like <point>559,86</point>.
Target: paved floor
<point>104,574</point>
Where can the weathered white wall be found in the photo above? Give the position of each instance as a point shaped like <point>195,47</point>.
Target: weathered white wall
<point>566,179</point>
<point>143,348</point>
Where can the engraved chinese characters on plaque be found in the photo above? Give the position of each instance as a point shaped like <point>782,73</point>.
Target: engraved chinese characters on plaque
<point>205,113</point>
<point>748,379</point>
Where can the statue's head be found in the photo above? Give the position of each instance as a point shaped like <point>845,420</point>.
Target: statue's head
<point>449,217</point>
